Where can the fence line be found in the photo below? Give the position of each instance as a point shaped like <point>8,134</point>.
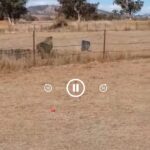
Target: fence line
<point>102,50</point>
<point>84,53</point>
<point>104,43</point>
<point>129,43</point>
<point>34,47</point>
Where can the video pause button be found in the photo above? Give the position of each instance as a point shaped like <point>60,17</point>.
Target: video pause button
<point>75,88</point>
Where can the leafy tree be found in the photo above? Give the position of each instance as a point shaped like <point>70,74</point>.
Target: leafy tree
<point>130,6</point>
<point>115,12</point>
<point>77,9</point>
<point>12,9</point>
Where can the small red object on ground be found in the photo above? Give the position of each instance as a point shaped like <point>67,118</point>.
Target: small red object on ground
<point>52,109</point>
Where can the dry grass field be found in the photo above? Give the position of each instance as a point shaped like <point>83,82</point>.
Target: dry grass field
<point>4,25</point>
<point>115,40</point>
<point>116,120</point>
<point>120,44</point>
<point>83,26</point>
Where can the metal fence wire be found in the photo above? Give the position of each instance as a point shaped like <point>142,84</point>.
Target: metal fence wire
<point>16,53</point>
<point>105,42</point>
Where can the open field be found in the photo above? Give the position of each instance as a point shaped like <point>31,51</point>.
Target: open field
<point>116,120</point>
<point>125,40</point>
<point>120,44</point>
<point>74,26</point>
<point>4,25</point>
<point>115,40</point>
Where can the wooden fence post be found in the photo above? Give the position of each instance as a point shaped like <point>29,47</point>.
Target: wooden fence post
<point>87,26</point>
<point>104,44</point>
<point>136,25</point>
<point>34,60</point>
<point>78,26</point>
<point>95,26</point>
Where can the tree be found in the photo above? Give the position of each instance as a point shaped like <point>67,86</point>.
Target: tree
<point>77,9</point>
<point>130,6</point>
<point>115,12</point>
<point>12,9</point>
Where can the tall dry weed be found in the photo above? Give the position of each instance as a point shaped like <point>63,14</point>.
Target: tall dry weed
<point>10,64</point>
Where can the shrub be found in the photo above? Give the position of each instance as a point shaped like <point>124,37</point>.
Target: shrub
<point>59,23</point>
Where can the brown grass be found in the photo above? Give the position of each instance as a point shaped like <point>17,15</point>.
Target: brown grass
<point>4,24</point>
<point>72,54</point>
<point>11,64</point>
<point>116,120</point>
<point>116,25</point>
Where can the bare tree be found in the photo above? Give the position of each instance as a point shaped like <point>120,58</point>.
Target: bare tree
<point>77,10</point>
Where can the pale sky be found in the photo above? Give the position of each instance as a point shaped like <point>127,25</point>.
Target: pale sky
<point>104,4</point>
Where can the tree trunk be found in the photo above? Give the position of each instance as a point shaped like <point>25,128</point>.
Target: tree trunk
<point>130,15</point>
<point>79,17</point>
<point>9,20</point>
<point>78,12</point>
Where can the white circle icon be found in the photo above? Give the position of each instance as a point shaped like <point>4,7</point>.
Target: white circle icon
<point>48,88</point>
<point>75,88</point>
<point>103,88</point>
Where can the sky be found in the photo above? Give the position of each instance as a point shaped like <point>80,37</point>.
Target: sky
<point>104,4</point>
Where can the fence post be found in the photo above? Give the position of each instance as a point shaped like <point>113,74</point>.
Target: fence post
<point>104,44</point>
<point>34,60</point>
<point>95,26</point>
<point>87,26</point>
<point>136,25</point>
<point>78,26</point>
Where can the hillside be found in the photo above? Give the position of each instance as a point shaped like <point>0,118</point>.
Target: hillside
<point>50,11</point>
<point>43,11</point>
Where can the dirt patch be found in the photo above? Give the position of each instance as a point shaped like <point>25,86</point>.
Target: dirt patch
<point>116,120</point>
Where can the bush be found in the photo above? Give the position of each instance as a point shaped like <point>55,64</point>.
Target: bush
<point>60,22</point>
<point>29,17</point>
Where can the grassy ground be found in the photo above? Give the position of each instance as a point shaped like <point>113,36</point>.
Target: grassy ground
<point>83,26</point>
<point>115,40</point>
<point>4,25</point>
<point>119,45</point>
<point>116,120</point>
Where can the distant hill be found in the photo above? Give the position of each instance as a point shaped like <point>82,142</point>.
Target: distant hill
<point>43,10</point>
<point>142,17</point>
<point>50,11</point>
<point>147,15</point>
<point>104,12</point>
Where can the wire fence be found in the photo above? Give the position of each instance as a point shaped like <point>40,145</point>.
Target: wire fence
<point>70,44</point>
